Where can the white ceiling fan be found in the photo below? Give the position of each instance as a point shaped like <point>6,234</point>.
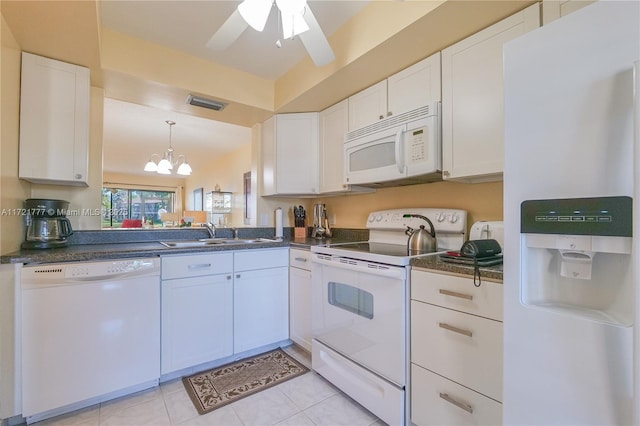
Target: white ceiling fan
<point>297,20</point>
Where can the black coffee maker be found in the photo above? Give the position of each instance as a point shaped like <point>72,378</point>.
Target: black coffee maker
<point>46,223</point>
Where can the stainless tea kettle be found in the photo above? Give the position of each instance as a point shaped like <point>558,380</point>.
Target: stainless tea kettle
<point>420,240</point>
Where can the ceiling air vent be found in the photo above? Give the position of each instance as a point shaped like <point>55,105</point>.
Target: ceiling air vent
<point>205,103</point>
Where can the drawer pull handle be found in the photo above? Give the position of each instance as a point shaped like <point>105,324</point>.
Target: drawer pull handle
<point>465,407</point>
<point>455,329</point>
<point>199,265</point>
<point>456,294</point>
<point>300,259</point>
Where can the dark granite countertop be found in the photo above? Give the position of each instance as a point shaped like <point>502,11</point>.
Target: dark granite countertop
<point>97,252</point>
<point>493,273</point>
<point>104,245</point>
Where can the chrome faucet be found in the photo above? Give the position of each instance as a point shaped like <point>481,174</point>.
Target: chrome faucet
<point>211,228</point>
<point>235,233</point>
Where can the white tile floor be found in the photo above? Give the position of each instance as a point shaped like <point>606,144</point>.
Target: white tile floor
<point>304,400</point>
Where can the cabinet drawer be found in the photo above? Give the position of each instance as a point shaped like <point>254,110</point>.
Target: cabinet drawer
<point>247,260</point>
<point>438,401</point>
<point>458,293</point>
<point>465,348</point>
<point>195,265</point>
<point>300,259</point>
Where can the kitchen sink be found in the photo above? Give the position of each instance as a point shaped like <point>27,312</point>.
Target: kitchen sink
<point>204,242</point>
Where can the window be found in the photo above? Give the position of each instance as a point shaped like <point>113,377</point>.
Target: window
<point>119,204</point>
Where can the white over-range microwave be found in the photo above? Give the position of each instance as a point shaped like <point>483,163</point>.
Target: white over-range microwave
<point>398,150</point>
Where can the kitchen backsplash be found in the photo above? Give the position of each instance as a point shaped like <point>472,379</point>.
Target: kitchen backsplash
<point>482,201</point>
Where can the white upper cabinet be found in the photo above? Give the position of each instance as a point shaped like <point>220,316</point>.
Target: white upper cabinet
<point>414,87</point>
<point>54,122</point>
<point>334,123</point>
<point>368,106</point>
<point>333,126</point>
<point>555,9</point>
<point>472,100</point>
<point>290,154</point>
<point>404,91</point>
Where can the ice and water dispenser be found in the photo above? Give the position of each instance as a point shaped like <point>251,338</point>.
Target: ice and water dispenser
<point>576,257</point>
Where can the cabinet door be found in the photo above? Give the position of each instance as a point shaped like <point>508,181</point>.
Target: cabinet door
<point>334,123</point>
<point>297,153</point>
<point>54,122</point>
<point>197,321</point>
<point>260,308</point>
<point>438,401</point>
<point>368,106</point>
<point>472,100</point>
<point>555,9</point>
<point>415,86</point>
<point>268,154</point>
<point>462,347</point>
<point>300,307</point>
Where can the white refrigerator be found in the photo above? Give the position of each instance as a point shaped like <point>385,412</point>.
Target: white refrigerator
<point>570,200</point>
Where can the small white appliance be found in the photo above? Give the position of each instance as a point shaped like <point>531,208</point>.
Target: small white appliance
<point>90,331</point>
<point>360,296</point>
<point>488,230</point>
<point>397,150</point>
<point>571,271</point>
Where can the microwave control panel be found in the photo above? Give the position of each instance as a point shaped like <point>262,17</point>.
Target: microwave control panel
<point>417,144</point>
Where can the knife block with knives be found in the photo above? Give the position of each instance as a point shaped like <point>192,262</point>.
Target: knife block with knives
<point>300,229</point>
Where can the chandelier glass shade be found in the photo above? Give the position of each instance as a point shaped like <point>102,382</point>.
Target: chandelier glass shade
<point>169,160</point>
<point>256,13</point>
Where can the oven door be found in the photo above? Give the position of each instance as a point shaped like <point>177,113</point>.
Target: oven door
<point>359,311</point>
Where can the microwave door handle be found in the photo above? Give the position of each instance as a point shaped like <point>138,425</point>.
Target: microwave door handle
<point>399,150</point>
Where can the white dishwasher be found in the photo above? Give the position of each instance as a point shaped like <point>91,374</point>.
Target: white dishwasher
<point>90,331</point>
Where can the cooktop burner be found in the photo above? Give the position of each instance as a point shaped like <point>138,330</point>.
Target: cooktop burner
<point>388,237</point>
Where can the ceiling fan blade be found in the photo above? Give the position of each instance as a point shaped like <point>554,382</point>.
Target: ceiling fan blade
<point>229,32</point>
<point>315,41</point>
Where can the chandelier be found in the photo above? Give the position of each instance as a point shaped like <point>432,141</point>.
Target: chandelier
<point>167,163</point>
<point>256,12</point>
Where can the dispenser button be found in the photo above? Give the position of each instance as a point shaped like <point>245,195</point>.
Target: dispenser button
<point>604,218</point>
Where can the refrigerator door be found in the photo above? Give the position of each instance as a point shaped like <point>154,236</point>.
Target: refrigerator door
<point>568,134</point>
<point>636,236</point>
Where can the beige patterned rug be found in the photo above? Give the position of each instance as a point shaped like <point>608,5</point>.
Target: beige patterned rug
<point>215,388</point>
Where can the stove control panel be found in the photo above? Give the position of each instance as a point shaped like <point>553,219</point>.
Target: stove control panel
<point>444,220</point>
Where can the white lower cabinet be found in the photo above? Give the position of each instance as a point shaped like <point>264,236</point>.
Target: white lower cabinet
<point>436,400</point>
<point>197,310</point>
<point>300,297</point>
<point>260,298</point>
<point>218,304</point>
<point>456,350</point>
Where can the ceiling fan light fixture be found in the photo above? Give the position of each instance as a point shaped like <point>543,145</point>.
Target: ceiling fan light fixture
<point>293,22</point>
<point>255,12</point>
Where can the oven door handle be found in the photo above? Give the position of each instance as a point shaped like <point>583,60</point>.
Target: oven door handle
<point>361,266</point>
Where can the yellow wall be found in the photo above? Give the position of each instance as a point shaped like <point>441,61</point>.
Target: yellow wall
<point>13,191</point>
<point>228,173</point>
<point>483,201</point>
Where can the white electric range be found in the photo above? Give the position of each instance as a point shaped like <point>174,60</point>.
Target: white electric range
<point>360,295</point>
